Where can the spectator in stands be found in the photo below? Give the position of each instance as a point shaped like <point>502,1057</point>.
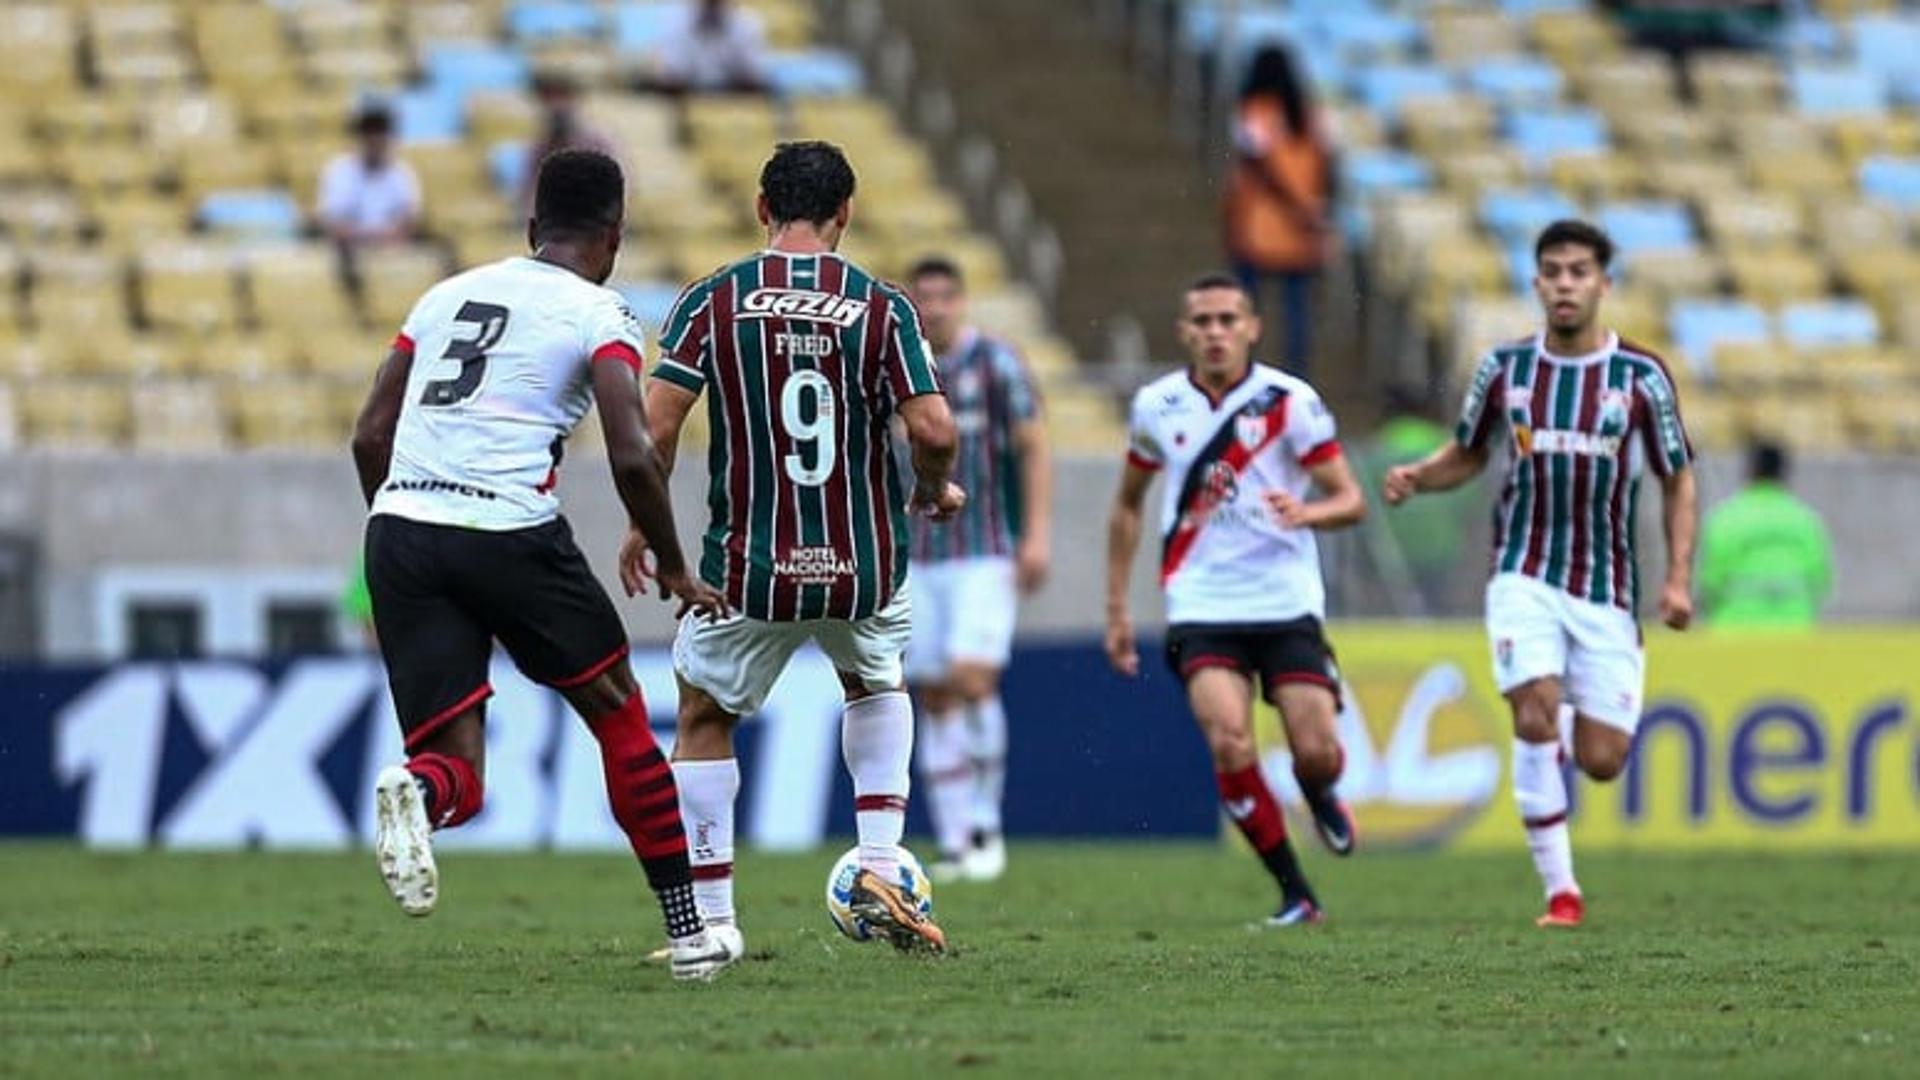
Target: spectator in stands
<point>562,128</point>
<point>1279,195</point>
<point>368,195</point>
<point>715,47</point>
<point>1431,543</point>
<point>1765,557</point>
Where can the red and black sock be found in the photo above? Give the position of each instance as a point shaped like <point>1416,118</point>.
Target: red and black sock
<point>646,804</point>
<point>1251,805</point>
<point>454,792</point>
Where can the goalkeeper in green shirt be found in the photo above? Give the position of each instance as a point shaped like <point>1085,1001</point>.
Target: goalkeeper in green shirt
<point>1765,559</point>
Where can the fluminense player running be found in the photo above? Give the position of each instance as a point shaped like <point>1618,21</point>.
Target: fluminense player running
<point>1582,415</point>
<point>1243,446</point>
<point>458,449</point>
<point>804,359</point>
<point>968,574</point>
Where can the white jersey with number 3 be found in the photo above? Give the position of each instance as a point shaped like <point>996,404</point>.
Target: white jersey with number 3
<point>501,358</point>
<point>1225,557</point>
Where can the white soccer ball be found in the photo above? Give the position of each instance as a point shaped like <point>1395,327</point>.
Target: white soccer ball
<point>840,892</point>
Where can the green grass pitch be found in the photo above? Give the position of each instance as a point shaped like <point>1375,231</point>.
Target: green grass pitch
<point>1088,960</point>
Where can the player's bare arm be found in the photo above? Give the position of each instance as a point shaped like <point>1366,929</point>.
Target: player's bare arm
<point>935,442</point>
<point>1036,485</point>
<point>641,480</point>
<point>1443,470</point>
<point>1680,516</point>
<point>1123,540</point>
<point>373,432</point>
<point>1341,502</point>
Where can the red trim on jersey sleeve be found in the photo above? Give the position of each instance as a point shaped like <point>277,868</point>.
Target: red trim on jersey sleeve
<point>1326,451</point>
<point>1140,461</point>
<point>402,343</point>
<point>621,351</point>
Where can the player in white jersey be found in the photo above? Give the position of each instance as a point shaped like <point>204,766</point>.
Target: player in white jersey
<point>1244,447</point>
<point>458,449</point>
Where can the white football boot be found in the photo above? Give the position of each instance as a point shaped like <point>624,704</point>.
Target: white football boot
<point>403,841</point>
<point>702,957</point>
<point>987,859</point>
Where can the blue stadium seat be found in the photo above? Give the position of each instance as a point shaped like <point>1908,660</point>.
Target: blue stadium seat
<point>650,301</point>
<point>1829,322</point>
<point>815,73</point>
<point>1516,216</point>
<point>428,115</point>
<point>1887,45</point>
<point>1535,7</point>
<point>1826,90</point>
<point>1517,80</point>
<point>639,27</point>
<point>258,212</point>
<point>1699,326</point>
<point>460,70</point>
<point>1369,172</point>
<point>1892,179</point>
<point>1807,34</point>
<point>1544,134</point>
<point>507,165</point>
<point>1385,89</point>
<point>1356,28</point>
<point>1648,226</point>
<point>1521,266</point>
<point>547,20</point>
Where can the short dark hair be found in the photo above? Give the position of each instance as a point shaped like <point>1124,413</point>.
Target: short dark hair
<point>373,118</point>
<point>580,191</point>
<point>1767,460</point>
<point>806,181</point>
<point>937,266</point>
<point>1216,280</point>
<point>1570,231</point>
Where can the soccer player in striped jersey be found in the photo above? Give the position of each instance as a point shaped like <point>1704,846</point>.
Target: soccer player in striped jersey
<point>1582,416</point>
<point>804,358</point>
<point>968,574</point>
<point>1253,469</point>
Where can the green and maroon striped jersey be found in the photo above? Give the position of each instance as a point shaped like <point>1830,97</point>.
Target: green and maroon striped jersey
<point>1580,433</point>
<point>805,358</point>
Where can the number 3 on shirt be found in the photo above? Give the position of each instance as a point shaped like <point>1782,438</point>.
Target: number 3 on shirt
<point>819,430</point>
<point>472,354</point>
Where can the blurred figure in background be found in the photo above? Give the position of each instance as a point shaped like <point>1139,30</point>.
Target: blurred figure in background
<point>716,48</point>
<point>1279,194</point>
<point>1431,533</point>
<point>368,195</point>
<point>1765,556</point>
<point>561,128</point>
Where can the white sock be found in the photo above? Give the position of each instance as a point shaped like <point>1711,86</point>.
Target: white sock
<point>989,750</point>
<point>876,738</point>
<point>707,791</point>
<point>948,774</point>
<point>1540,790</point>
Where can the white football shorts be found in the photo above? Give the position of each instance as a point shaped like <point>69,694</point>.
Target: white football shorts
<point>1539,631</point>
<point>737,660</point>
<point>963,612</point>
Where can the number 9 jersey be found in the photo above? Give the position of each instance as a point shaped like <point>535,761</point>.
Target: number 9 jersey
<point>501,355</point>
<point>803,360</point>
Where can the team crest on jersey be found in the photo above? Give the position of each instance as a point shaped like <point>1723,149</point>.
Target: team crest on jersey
<point>1615,407</point>
<point>1250,430</point>
<point>805,304</point>
<point>966,384</point>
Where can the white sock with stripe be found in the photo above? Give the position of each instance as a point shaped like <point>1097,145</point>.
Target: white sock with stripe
<point>876,739</point>
<point>707,792</point>
<point>948,774</point>
<point>989,751</point>
<point>1540,790</point>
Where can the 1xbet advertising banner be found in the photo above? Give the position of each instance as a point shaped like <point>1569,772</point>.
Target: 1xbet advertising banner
<point>1748,740</point>
<point>235,754</point>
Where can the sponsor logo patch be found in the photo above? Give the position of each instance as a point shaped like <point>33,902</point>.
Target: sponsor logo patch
<point>802,304</point>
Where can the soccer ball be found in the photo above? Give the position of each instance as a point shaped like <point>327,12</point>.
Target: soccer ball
<point>840,892</point>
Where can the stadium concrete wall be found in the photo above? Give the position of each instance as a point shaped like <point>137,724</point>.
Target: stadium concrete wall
<point>93,520</point>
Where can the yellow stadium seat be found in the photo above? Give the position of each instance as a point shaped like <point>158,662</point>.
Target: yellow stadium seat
<point>9,420</point>
<point>1844,226</point>
<point>392,279</point>
<point>903,216</point>
<point>1805,421</point>
<point>1576,36</point>
<point>292,413</point>
<point>1714,422</point>
<point>1460,269</point>
<point>178,415</point>
<point>236,165</point>
<point>62,307</point>
<point>1604,177</point>
<point>354,68</point>
<point>1461,35</point>
<point>1888,278</point>
<point>36,356</point>
<point>1436,125</point>
<point>347,354</point>
<point>1637,80</point>
<point>298,288</point>
<point>441,23</point>
<point>140,74</point>
<point>589,64</point>
<point>1357,127</point>
<point>111,167</point>
<point>1482,322</point>
<point>1729,82</point>
<point>1752,220</point>
<point>1013,313</point>
<point>1768,135</point>
<point>203,121</point>
<point>299,164</point>
<point>1670,274</point>
<point>1810,176</point>
<point>1856,137</point>
<point>23,162</point>
<point>731,121</point>
<point>12,269</point>
<point>245,356</point>
<point>129,25</point>
<point>490,243</point>
<point>502,115</point>
<point>283,116</point>
<point>1636,314</point>
<point>1659,134</point>
<point>1774,278</point>
<point>336,26</point>
<point>189,287</point>
<point>92,119</point>
<point>1885,423</point>
<point>1752,366</point>
<point>1472,172</point>
<point>1699,180</point>
<point>78,413</point>
<point>132,222</point>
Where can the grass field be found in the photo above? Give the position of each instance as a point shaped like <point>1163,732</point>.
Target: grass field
<point>1087,961</point>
